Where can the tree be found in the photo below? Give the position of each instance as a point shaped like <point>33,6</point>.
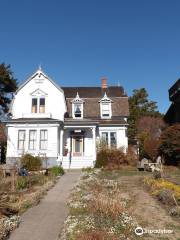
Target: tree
<point>170,145</point>
<point>149,130</point>
<point>8,85</point>
<point>139,105</point>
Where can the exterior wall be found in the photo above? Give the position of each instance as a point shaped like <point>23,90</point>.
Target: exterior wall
<point>53,142</point>
<point>55,106</point>
<point>122,140</point>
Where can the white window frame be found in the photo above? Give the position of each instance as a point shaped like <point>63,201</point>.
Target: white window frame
<point>73,110</point>
<point>21,140</point>
<point>43,140</point>
<point>107,101</point>
<point>109,137</point>
<point>110,110</point>
<point>38,104</point>
<point>34,140</point>
<point>79,101</point>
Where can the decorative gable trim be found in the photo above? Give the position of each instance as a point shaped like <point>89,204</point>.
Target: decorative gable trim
<point>39,74</point>
<point>38,92</point>
<point>105,99</point>
<point>77,99</point>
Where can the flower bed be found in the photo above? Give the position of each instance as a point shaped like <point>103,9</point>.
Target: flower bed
<point>98,211</point>
<point>28,192</point>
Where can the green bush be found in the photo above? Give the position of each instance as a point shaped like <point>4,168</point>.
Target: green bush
<point>22,183</point>
<point>31,163</point>
<point>56,171</point>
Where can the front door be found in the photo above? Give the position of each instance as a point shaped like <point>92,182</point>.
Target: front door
<point>77,146</point>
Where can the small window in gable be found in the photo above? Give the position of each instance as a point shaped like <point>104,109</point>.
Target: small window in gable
<point>38,101</point>
<point>42,105</point>
<point>77,107</point>
<point>105,107</point>
<point>34,105</point>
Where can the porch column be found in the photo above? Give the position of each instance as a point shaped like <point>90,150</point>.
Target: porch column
<point>94,142</point>
<point>61,144</point>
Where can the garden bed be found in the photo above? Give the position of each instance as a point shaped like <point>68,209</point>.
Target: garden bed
<point>27,192</point>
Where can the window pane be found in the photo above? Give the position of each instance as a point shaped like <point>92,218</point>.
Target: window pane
<point>77,110</point>
<point>105,109</point>
<point>21,139</point>
<point>113,139</point>
<point>43,139</point>
<point>42,105</point>
<point>105,137</point>
<point>34,105</point>
<point>32,139</point>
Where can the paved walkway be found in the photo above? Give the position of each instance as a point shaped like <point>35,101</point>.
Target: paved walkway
<point>44,221</point>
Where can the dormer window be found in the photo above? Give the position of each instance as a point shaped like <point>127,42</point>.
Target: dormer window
<point>105,110</point>
<point>77,107</point>
<point>77,110</point>
<point>105,107</point>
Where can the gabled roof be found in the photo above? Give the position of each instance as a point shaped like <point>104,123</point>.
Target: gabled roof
<point>38,72</point>
<point>94,92</point>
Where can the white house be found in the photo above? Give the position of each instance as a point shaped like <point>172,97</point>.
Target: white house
<point>64,124</point>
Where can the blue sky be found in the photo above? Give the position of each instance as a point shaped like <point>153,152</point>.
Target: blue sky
<point>133,42</point>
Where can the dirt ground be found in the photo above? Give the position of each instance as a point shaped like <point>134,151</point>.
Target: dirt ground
<point>149,213</point>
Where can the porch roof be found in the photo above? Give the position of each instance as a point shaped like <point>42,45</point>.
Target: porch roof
<point>94,122</point>
<point>33,120</point>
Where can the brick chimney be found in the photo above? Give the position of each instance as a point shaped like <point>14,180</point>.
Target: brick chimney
<point>104,83</point>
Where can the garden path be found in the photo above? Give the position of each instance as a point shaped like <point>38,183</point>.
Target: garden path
<point>44,221</point>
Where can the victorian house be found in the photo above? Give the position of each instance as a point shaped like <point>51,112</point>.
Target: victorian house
<point>64,125</point>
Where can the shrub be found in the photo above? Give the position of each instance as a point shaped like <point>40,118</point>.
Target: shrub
<point>102,159</point>
<point>112,158</point>
<point>103,205</point>
<point>31,163</point>
<point>57,171</point>
<point>22,183</point>
<point>157,174</point>
<point>175,212</point>
<point>131,156</point>
<point>166,197</point>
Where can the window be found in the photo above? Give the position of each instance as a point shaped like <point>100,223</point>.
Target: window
<point>110,138</point>
<point>77,110</point>
<point>43,139</point>
<point>113,141</point>
<point>32,139</point>
<point>21,139</point>
<point>105,137</point>
<point>34,105</point>
<point>42,105</point>
<point>38,105</point>
<point>105,110</point>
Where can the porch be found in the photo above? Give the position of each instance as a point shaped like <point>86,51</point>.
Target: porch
<point>79,146</point>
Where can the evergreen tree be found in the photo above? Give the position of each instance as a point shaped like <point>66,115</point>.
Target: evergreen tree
<point>140,105</point>
<point>8,85</point>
